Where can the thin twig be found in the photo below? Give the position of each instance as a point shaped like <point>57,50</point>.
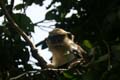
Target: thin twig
<point>51,69</point>
<point>36,71</point>
<point>109,61</point>
<point>39,22</point>
<point>109,55</point>
<point>50,26</point>
<point>21,75</point>
<point>42,21</point>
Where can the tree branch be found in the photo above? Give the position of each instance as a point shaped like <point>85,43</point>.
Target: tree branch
<point>23,34</point>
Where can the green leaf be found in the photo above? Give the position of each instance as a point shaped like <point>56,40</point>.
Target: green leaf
<point>40,2</point>
<point>116,50</point>
<point>89,75</point>
<point>87,44</point>
<point>68,75</point>
<point>24,22</point>
<point>29,2</point>
<point>62,15</point>
<point>1,12</point>
<point>51,15</point>
<point>102,58</point>
<point>19,6</point>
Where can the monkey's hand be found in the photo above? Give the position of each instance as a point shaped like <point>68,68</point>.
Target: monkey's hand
<point>50,66</point>
<point>75,63</point>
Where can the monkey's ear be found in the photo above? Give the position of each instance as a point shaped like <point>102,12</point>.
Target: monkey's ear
<point>70,36</point>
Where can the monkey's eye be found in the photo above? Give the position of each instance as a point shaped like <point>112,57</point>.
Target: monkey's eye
<point>56,38</point>
<point>69,35</point>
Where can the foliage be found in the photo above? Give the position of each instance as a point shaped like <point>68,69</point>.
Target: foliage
<point>95,25</point>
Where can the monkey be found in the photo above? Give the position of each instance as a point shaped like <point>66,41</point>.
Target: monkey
<point>63,47</point>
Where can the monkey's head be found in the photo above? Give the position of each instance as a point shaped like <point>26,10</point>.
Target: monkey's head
<point>58,35</point>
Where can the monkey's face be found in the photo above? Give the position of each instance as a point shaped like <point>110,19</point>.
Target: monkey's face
<point>57,36</point>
